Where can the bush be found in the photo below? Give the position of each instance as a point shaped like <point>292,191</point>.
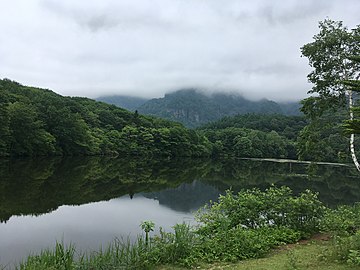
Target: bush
<point>344,220</point>
<point>344,249</point>
<point>343,224</point>
<point>175,248</point>
<point>254,209</point>
<point>239,243</point>
<point>250,223</point>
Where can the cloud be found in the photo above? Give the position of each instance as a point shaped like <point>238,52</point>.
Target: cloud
<point>292,11</point>
<point>146,48</point>
<point>94,21</point>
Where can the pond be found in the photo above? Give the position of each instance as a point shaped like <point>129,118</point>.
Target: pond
<point>90,201</point>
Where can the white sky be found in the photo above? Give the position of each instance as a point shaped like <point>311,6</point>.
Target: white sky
<point>146,48</point>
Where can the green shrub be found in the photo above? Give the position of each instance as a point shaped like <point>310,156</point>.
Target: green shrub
<point>255,209</point>
<point>344,249</point>
<point>178,247</point>
<point>343,224</point>
<point>240,243</point>
<point>250,223</point>
<point>344,220</point>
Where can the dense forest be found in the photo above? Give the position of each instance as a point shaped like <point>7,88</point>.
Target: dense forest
<point>36,122</point>
<point>255,135</point>
<point>280,136</point>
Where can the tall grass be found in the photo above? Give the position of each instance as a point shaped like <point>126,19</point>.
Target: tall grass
<point>62,258</point>
<point>118,255</point>
<point>168,247</point>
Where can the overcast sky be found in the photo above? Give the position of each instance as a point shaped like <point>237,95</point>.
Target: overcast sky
<point>149,47</point>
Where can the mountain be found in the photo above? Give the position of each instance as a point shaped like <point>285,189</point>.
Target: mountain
<point>291,108</point>
<point>126,102</point>
<point>193,108</point>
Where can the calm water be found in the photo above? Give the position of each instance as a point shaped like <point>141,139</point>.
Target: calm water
<point>91,201</point>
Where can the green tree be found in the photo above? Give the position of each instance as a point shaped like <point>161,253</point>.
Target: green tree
<point>28,136</point>
<point>147,226</point>
<point>353,125</point>
<point>243,147</point>
<point>4,126</point>
<point>328,55</point>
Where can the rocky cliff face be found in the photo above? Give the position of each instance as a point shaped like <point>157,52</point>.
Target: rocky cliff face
<point>187,115</point>
<point>193,108</point>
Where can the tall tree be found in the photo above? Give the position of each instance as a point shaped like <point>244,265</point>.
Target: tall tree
<point>329,55</point>
<point>352,126</point>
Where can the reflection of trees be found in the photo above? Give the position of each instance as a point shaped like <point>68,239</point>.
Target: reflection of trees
<point>41,185</point>
<point>336,185</point>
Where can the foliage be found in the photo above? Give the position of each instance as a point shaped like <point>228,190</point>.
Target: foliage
<point>343,224</point>
<point>344,249</point>
<point>323,140</point>
<point>344,220</point>
<point>178,247</point>
<point>242,142</point>
<point>286,126</point>
<point>352,126</point>
<point>38,122</point>
<point>328,55</point>
<point>147,227</point>
<point>239,244</point>
<point>255,135</point>
<point>253,209</point>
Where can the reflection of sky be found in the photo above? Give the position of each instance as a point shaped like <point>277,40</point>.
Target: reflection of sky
<point>87,226</point>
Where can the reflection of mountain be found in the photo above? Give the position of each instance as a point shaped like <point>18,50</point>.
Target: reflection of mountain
<point>41,185</point>
<point>186,197</point>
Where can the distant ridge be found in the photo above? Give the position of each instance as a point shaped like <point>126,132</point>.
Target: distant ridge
<point>126,102</point>
<point>193,108</point>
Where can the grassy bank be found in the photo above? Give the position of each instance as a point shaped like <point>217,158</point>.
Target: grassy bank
<point>309,256</point>
<point>242,227</point>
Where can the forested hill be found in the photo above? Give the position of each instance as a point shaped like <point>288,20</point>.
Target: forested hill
<point>37,122</point>
<point>193,108</point>
<point>255,135</point>
<point>287,126</point>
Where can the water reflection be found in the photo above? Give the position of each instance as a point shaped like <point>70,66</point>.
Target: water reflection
<point>90,201</point>
<point>88,226</point>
